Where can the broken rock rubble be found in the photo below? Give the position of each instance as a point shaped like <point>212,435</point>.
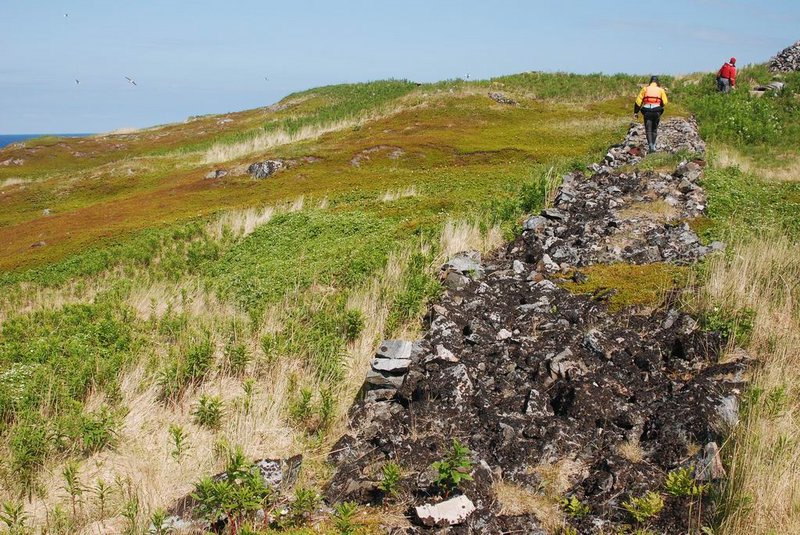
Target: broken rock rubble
<point>534,378</point>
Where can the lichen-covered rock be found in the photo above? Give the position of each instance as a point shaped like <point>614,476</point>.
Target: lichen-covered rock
<point>264,169</point>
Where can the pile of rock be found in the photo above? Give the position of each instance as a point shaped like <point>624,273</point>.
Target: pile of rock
<point>529,375</point>
<point>674,135</point>
<point>787,60</point>
<point>637,217</point>
<point>388,369</point>
<point>500,98</point>
<point>267,168</point>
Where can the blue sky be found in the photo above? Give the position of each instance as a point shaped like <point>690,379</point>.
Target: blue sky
<point>203,56</point>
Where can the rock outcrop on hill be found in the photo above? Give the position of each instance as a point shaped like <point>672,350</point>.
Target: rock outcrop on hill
<point>787,60</point>
<point>553,392</point>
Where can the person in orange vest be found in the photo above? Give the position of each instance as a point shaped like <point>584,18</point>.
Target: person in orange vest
<point>651,101</point>
<point>726,77</point>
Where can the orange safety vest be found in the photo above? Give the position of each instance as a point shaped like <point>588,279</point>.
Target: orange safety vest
<point>652,95</point>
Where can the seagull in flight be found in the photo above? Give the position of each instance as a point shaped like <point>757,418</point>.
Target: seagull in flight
<point>266,79</point>
<point>130,80</point>
<point>77,82</point>
<point>66,15</point>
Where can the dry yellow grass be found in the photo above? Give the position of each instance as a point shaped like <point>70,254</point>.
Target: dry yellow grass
<point>728,157</point>
<point>559,476</point>
<point>459,236</point>
<point>631,450</point>
<point>516,500</point>
<point>657,210</point>
<point>13,181</point>
<point>763,490</point>
<point>242,222</point>
<point>263,142</point>
<point>391,196</point>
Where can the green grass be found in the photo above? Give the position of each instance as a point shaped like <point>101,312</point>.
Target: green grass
<point>317,107</point>
<point>760,127</point>
<point>754,208</point>
<point>294,250</point>
<point>50,362</point>
<point>741,204</point>
<point>113,234</point>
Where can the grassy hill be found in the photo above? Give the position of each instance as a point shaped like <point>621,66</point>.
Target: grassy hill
<point>154,320</point>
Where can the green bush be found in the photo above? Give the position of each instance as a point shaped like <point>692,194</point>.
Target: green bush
<point>237,357</point>
<point>390,478</point>
<point>208,412</point>
<point>187,366</point>
<point>680,483</point>
<point>14,517</point>
<point>302,507</point>
<point>747,205</point>
<point>178,440</point>
<point>238,493</point>
<point>644,507</point>
<point>343,517</point>
<point>295,249</point>
<point>736,325</point>
<point>56,357</point>
<point>353,324</point>
<point>575,508</point>
<point>454,468</point>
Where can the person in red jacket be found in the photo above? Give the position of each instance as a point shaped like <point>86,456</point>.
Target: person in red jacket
<point>726,77</point>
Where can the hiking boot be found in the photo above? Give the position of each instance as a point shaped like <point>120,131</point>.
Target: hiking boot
<point>652,147</point>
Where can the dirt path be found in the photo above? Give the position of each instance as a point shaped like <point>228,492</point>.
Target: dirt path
<point>555,393</point>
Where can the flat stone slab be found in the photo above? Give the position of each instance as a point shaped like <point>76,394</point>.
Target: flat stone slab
<point>391,365</point>
<point>384,380</point>
<point>395,350</point>
<point>448,513</point>
<point>467,263</point>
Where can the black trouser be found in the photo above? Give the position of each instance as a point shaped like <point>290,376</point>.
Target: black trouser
<point>652,116</point>
<point>723,84</point>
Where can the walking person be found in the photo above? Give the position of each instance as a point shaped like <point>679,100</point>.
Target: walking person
<point>651,101</point>
<point>726,77</point>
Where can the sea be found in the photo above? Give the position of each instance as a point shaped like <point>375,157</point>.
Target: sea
<point>8,139</point>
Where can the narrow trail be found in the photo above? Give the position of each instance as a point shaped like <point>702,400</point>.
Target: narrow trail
<point>554,392</point>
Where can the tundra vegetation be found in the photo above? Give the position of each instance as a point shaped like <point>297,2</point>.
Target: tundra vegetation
<point>158,326</point>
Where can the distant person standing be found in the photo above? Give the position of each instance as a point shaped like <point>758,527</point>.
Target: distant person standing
<point>651,101</point>
<point>726,77</point>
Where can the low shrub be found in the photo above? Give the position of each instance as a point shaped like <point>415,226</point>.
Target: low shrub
<point>238,493</point>
<point>454,468</point>
<point>208,412</point>
<point>644,507</point>
<point>680,483</point>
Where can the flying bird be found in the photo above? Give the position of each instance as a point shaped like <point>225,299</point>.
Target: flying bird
<point>266,79</point>
<point>467,76</point>
<point>77,82</point>
<point>66,15</point>
<point>130,80</point>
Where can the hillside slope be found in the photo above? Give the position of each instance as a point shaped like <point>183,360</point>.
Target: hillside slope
<point>154,300</point>
<point>164,314</point>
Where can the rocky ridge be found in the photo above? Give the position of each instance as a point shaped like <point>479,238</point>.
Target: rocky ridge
<point>787,60</point>
<point>548,386</point>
